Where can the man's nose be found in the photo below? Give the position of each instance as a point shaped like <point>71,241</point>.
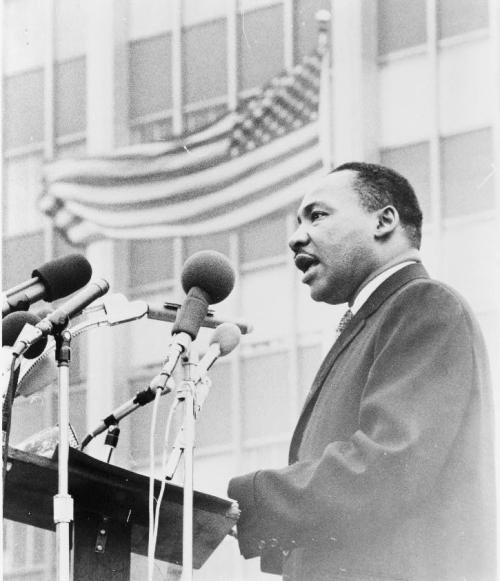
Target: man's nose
<point>299,238</point>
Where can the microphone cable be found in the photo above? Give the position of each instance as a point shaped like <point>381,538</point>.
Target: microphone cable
<point>7,412</point>
<point>154,512</point>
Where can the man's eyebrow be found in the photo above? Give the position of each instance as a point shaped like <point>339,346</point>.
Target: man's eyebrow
<point>305,211</point>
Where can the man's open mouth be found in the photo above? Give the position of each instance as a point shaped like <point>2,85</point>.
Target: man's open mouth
<point>304,261</point>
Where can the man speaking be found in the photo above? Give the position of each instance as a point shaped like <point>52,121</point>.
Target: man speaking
<point>391,465</point>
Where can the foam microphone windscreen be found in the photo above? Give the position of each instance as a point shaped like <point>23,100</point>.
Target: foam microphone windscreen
<point>63,276</point>
<point>209,271</point>
<point>227,336</point>
<point>13,324</point>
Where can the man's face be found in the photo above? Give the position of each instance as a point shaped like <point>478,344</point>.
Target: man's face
<point>334,244</point>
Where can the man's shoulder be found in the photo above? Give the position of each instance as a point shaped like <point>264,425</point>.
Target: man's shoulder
<point>430,298</point>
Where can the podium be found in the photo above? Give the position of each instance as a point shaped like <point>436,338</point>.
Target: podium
<point>111,513</point>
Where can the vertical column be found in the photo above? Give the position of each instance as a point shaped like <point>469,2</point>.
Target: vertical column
<point>495,79</point>
<point>355,93</point>
<point>288,33</point>
<point>107,128</point>
<point>49,138</point>
<point>434,137</point>
<point>177,86</point>
<point>232,53</point>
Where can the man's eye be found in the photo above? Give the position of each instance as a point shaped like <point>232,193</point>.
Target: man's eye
<point>316,215</point>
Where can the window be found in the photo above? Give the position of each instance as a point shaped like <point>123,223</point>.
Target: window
<point>214,426</point>
<point>22,188</point>
<point>261,46</point>
<point>467,173</point>
<point>309,359</point>
<point>306,26</point>
<point>265,396</point>
<point>205,61</point>
<point>412,161</point>
<point>401,24</point>
<point>460,16</point>
<point>70,97</point>
<point>139,422</point>
<point>201,117</point>
<point>150,76</point>
<point>151,261</point>
<point>264,239</point>
<point>20,256</point>
<point>218,242</point>
<point>23,108</point>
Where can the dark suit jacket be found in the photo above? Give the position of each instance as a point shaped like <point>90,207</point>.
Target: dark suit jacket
<point>391,471</point>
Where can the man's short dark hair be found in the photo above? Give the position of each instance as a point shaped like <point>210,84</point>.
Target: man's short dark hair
<point>379,186</point>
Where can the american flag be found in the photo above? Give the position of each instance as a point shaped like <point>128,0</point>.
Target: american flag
<point>243,166</point>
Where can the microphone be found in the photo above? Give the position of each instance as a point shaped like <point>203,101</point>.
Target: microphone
<point>141,398</point>
<point>51,281</point>
<point>13,324</point>
<point>59,318</point>
<point>115,309</point>
<point>207,278</point>
<point>225,338</point>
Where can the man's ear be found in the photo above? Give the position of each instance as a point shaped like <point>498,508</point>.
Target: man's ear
<point>387,221</point>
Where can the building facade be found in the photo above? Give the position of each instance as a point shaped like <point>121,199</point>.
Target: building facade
<point>415,85</point>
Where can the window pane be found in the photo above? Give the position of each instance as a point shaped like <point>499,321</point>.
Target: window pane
<point>23,108</point>
<point>70,97</point>
<point>218,242</point>
<point>265,396</point>
<point>459,16</point>
<point>151,261</point>
<point>267,300</point>
<point>138,424</point>
<point>261,46</point>
<point>467,173</point>
<point>412,161</point>
<point>401,24</point>
<point>22,188</point>
<point>264,238</point>
<point>150,76</point>
<point>306,26</point>
<point>205,61</point>
<point>309,359</point>
<point>214,424</point>
<point>157,130</point>
<point>21,255</point>
<point>200,118</point>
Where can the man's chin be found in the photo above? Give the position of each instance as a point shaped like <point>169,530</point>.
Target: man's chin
<point>324,295</point>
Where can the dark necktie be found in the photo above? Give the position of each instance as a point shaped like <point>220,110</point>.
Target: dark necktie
<point>344,321</point>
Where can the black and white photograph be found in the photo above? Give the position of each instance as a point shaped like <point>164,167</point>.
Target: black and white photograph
<point>250,290</point>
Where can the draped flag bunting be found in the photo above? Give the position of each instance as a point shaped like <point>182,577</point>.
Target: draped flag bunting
<point>247,164</point>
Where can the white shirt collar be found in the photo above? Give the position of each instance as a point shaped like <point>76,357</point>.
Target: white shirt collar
<point>370,287</point>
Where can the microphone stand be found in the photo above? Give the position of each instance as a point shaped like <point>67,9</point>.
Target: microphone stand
<point>63,502</point>
<point>111,441</point>
<point>185,394</point>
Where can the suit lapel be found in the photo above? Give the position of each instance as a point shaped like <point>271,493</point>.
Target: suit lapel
<point>379,296</point>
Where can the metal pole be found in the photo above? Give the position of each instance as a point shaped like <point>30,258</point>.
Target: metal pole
<point>189,439</point>
<point>63,502</point>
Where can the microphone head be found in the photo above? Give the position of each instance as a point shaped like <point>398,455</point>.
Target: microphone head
<point>63,276</point>
<point>227,335</point>
<point>210,271</point>
<point>13,324</point>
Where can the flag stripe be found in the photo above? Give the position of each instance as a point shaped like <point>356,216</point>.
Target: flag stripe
<point>253,186</point>
<point>212,178</point>
<point>239,168</point>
